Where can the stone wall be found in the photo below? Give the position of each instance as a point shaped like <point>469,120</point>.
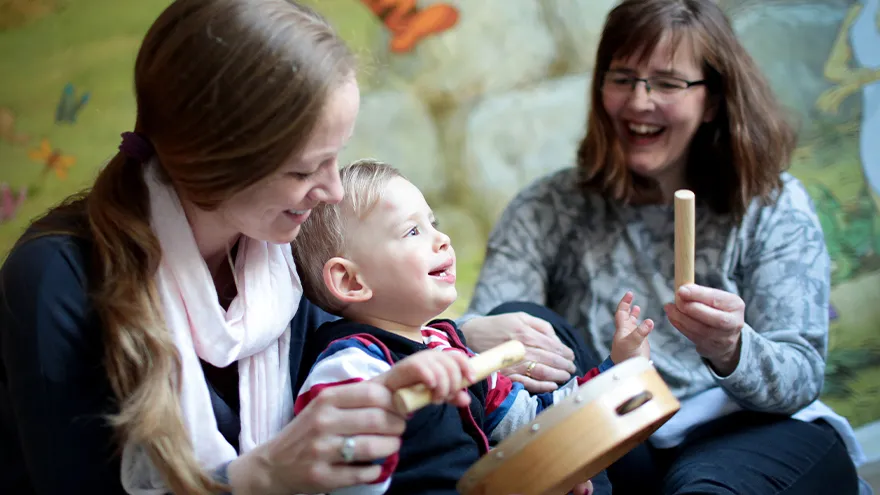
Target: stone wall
<point>474,114</point>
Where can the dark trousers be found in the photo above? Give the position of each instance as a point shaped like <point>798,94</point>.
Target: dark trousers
<point>745,453</point>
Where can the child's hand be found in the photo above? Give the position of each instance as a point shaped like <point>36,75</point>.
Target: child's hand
<point>630,337</point>
<point>440,371</point>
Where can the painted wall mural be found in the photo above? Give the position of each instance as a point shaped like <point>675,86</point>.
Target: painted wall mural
<point>408,24</point>
<point>473,100</point>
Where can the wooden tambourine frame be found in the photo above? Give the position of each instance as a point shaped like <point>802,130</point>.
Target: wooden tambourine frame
<point>577,438</point>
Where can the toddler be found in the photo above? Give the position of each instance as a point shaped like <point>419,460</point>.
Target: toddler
<point>378,260</point>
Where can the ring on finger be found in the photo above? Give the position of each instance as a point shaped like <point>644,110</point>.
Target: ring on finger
<point>530,367</point>
<point>347,449</point>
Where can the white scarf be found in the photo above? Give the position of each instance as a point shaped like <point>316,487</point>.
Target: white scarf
<point>254,332</point>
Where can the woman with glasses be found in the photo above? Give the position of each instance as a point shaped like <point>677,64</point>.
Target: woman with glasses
<point>676,103</point>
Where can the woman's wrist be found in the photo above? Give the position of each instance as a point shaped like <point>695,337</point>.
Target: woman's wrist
<point>250,474</point>
<point>466,325</point>
<point>725,365</point>
<point>221,475</point>
<point>462,320</point>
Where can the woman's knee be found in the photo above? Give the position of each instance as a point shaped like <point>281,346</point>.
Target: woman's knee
<point>833,469</point>
<point>757,457</point>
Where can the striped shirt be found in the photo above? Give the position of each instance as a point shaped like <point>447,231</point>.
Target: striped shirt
<point>356,358</point>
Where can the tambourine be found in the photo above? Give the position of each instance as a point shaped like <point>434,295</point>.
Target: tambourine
<point>604,419</point>
<point>577,438</point>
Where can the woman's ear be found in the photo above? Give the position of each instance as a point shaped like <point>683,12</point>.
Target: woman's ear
<point>344,280</point>
<point>711,110</point>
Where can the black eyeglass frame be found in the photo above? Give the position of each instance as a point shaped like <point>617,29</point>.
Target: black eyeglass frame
<point>647,80</point>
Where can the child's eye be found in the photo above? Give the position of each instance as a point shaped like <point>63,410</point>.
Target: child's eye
<point>413,231</point>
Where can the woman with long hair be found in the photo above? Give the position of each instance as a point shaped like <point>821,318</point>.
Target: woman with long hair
<point>148,326</point>
<point>678,103</point>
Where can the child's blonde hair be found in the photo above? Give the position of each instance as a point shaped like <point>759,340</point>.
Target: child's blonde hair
<point>322,236</point>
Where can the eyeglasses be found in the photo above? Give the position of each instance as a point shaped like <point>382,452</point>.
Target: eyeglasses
<point>665,87</point>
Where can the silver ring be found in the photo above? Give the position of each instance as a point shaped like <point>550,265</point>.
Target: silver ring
<point>347,450</point>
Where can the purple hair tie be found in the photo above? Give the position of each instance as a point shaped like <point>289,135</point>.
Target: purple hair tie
<point>136,146</point>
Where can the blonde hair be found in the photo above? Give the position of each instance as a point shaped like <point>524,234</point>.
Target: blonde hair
<point>322,236</point>
<point>227,91</point>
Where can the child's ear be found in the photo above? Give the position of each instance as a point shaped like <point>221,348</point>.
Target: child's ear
<point>345,282</point>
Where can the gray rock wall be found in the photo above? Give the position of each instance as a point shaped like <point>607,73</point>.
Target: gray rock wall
<point>476,113</point>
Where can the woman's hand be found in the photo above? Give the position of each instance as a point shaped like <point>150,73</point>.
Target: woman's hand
<point>713,320</point>
<point>548,361</point>
<point>307,455</point>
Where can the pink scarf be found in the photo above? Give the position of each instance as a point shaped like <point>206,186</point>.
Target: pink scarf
<point>253,334</point>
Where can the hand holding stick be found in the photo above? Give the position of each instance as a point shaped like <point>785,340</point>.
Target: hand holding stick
<point>684,238</point>
<point>410,399</point>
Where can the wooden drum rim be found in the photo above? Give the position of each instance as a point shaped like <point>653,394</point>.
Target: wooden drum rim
<point>606,400</point>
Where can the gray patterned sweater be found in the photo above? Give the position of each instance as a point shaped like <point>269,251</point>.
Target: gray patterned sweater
<point>578,254</point>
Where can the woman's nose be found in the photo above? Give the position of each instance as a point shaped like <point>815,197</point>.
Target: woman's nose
<point>329,189</point>
<point>640,97</point>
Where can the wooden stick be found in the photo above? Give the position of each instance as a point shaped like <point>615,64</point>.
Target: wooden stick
<point>410,399</point>
<point>684,238</point>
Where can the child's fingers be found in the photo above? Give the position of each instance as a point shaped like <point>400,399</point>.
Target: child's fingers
<point>442,386</point>
<point>417,370</point>
<point>453,374</point>
<point>645,328</point>
<point>623,310</point>
<point>583,488</point>
<point>463,362</point>
<point>407,372</point>
<point>625,301</point>
<point>461,399</point>
<point>458,370</point>
<point>454,369</point>
<point>638,334</point>
<point>440,371</point>
<point>635,312</point>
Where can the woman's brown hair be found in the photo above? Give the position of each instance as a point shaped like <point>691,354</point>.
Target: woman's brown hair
<point>227,91</point>
<point>735,158</point>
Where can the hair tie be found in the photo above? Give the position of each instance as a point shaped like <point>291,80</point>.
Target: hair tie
<point>136,146</point>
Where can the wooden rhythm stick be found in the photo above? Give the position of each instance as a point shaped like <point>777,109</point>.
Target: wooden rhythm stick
<point>410,399</point>
<point>684,238</point>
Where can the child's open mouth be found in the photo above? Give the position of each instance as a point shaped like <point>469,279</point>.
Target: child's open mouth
<point>444,272</point>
